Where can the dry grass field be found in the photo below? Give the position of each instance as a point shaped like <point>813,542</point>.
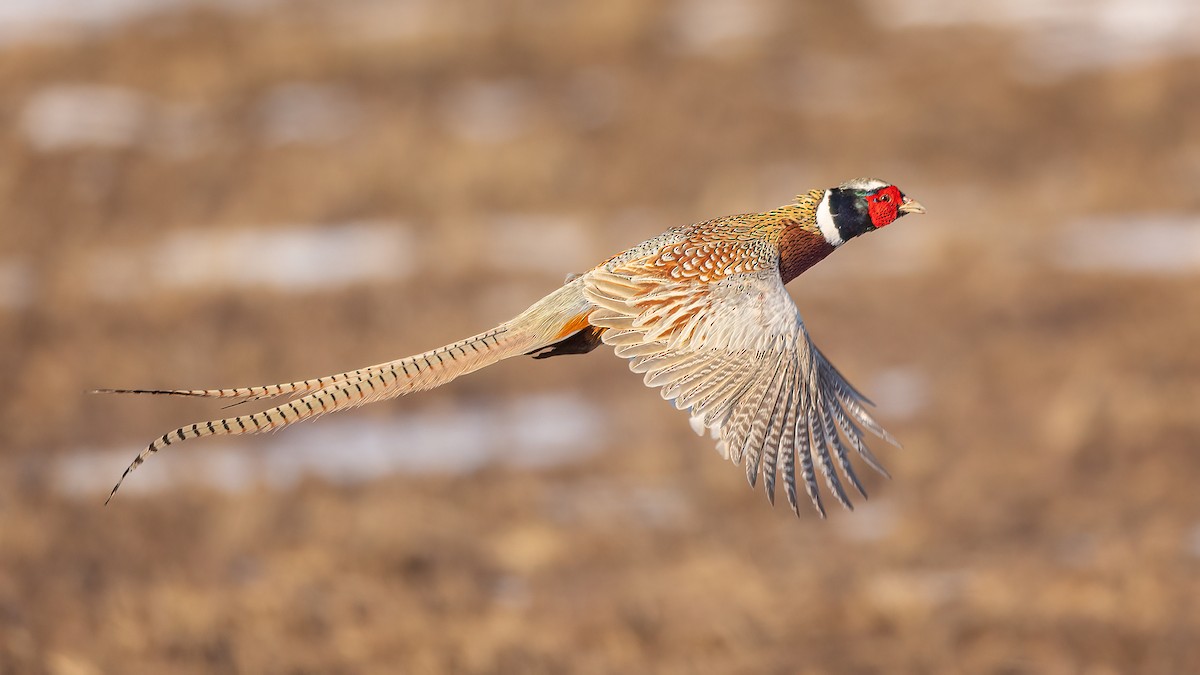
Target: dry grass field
<point>223,193</point>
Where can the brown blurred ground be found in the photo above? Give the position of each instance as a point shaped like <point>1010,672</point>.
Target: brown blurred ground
<point>1044,515</point>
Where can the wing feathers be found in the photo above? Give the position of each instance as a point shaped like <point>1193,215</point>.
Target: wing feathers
<point>761,418</point>
<point>821,444</point>
<point>840,451</point>
<point>773,439</point>
<point>787,454</point>
<point>855,436</point>
<point>735,355</point>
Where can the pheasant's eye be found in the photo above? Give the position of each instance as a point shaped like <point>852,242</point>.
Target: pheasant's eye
<point>885,197</point>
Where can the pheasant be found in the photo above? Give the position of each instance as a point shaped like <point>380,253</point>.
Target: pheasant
<point>700,310</point>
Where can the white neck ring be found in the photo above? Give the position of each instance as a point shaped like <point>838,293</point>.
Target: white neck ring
<point>825,222</point>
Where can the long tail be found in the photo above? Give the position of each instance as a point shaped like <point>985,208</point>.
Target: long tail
<point>248,394</point>
<point>552,319</point>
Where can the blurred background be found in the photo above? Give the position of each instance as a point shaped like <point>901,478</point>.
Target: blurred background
<point>223,192</point>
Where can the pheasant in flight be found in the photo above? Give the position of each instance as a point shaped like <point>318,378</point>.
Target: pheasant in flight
<point>700,310</point>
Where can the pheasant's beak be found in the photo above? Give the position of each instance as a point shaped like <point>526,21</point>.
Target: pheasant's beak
<point>910,205</point>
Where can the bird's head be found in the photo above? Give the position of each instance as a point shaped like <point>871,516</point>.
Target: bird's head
<point>859,206</point>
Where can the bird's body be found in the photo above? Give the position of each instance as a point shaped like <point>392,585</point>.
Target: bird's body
<point>701,310</point>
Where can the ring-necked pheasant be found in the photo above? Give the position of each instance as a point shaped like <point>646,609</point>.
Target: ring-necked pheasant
<point>701,310</point>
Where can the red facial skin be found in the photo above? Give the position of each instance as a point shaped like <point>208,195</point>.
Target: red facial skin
<point>884,205</point>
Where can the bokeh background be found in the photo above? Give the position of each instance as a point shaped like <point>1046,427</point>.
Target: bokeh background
<point>228,193</point>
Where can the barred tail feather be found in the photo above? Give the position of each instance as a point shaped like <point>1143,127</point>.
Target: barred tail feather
<point>272,390</point>
<point>348,390</point>
<point>255,393</point>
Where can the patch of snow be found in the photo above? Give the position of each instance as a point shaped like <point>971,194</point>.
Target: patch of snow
<point>64,117</point>
<point>901,392</point>
<point>536,431</point>
<point>488,112</point>
<point>24,21</point>
<point>705,26</point>
<point>298,259</point>
<point>541,243</point>
<point>298,113</point>
<point>1063,37</point>
<point>16,284</point>
<point>1151,245</point>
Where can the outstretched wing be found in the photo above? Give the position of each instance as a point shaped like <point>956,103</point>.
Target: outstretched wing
<point>733,352</point>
